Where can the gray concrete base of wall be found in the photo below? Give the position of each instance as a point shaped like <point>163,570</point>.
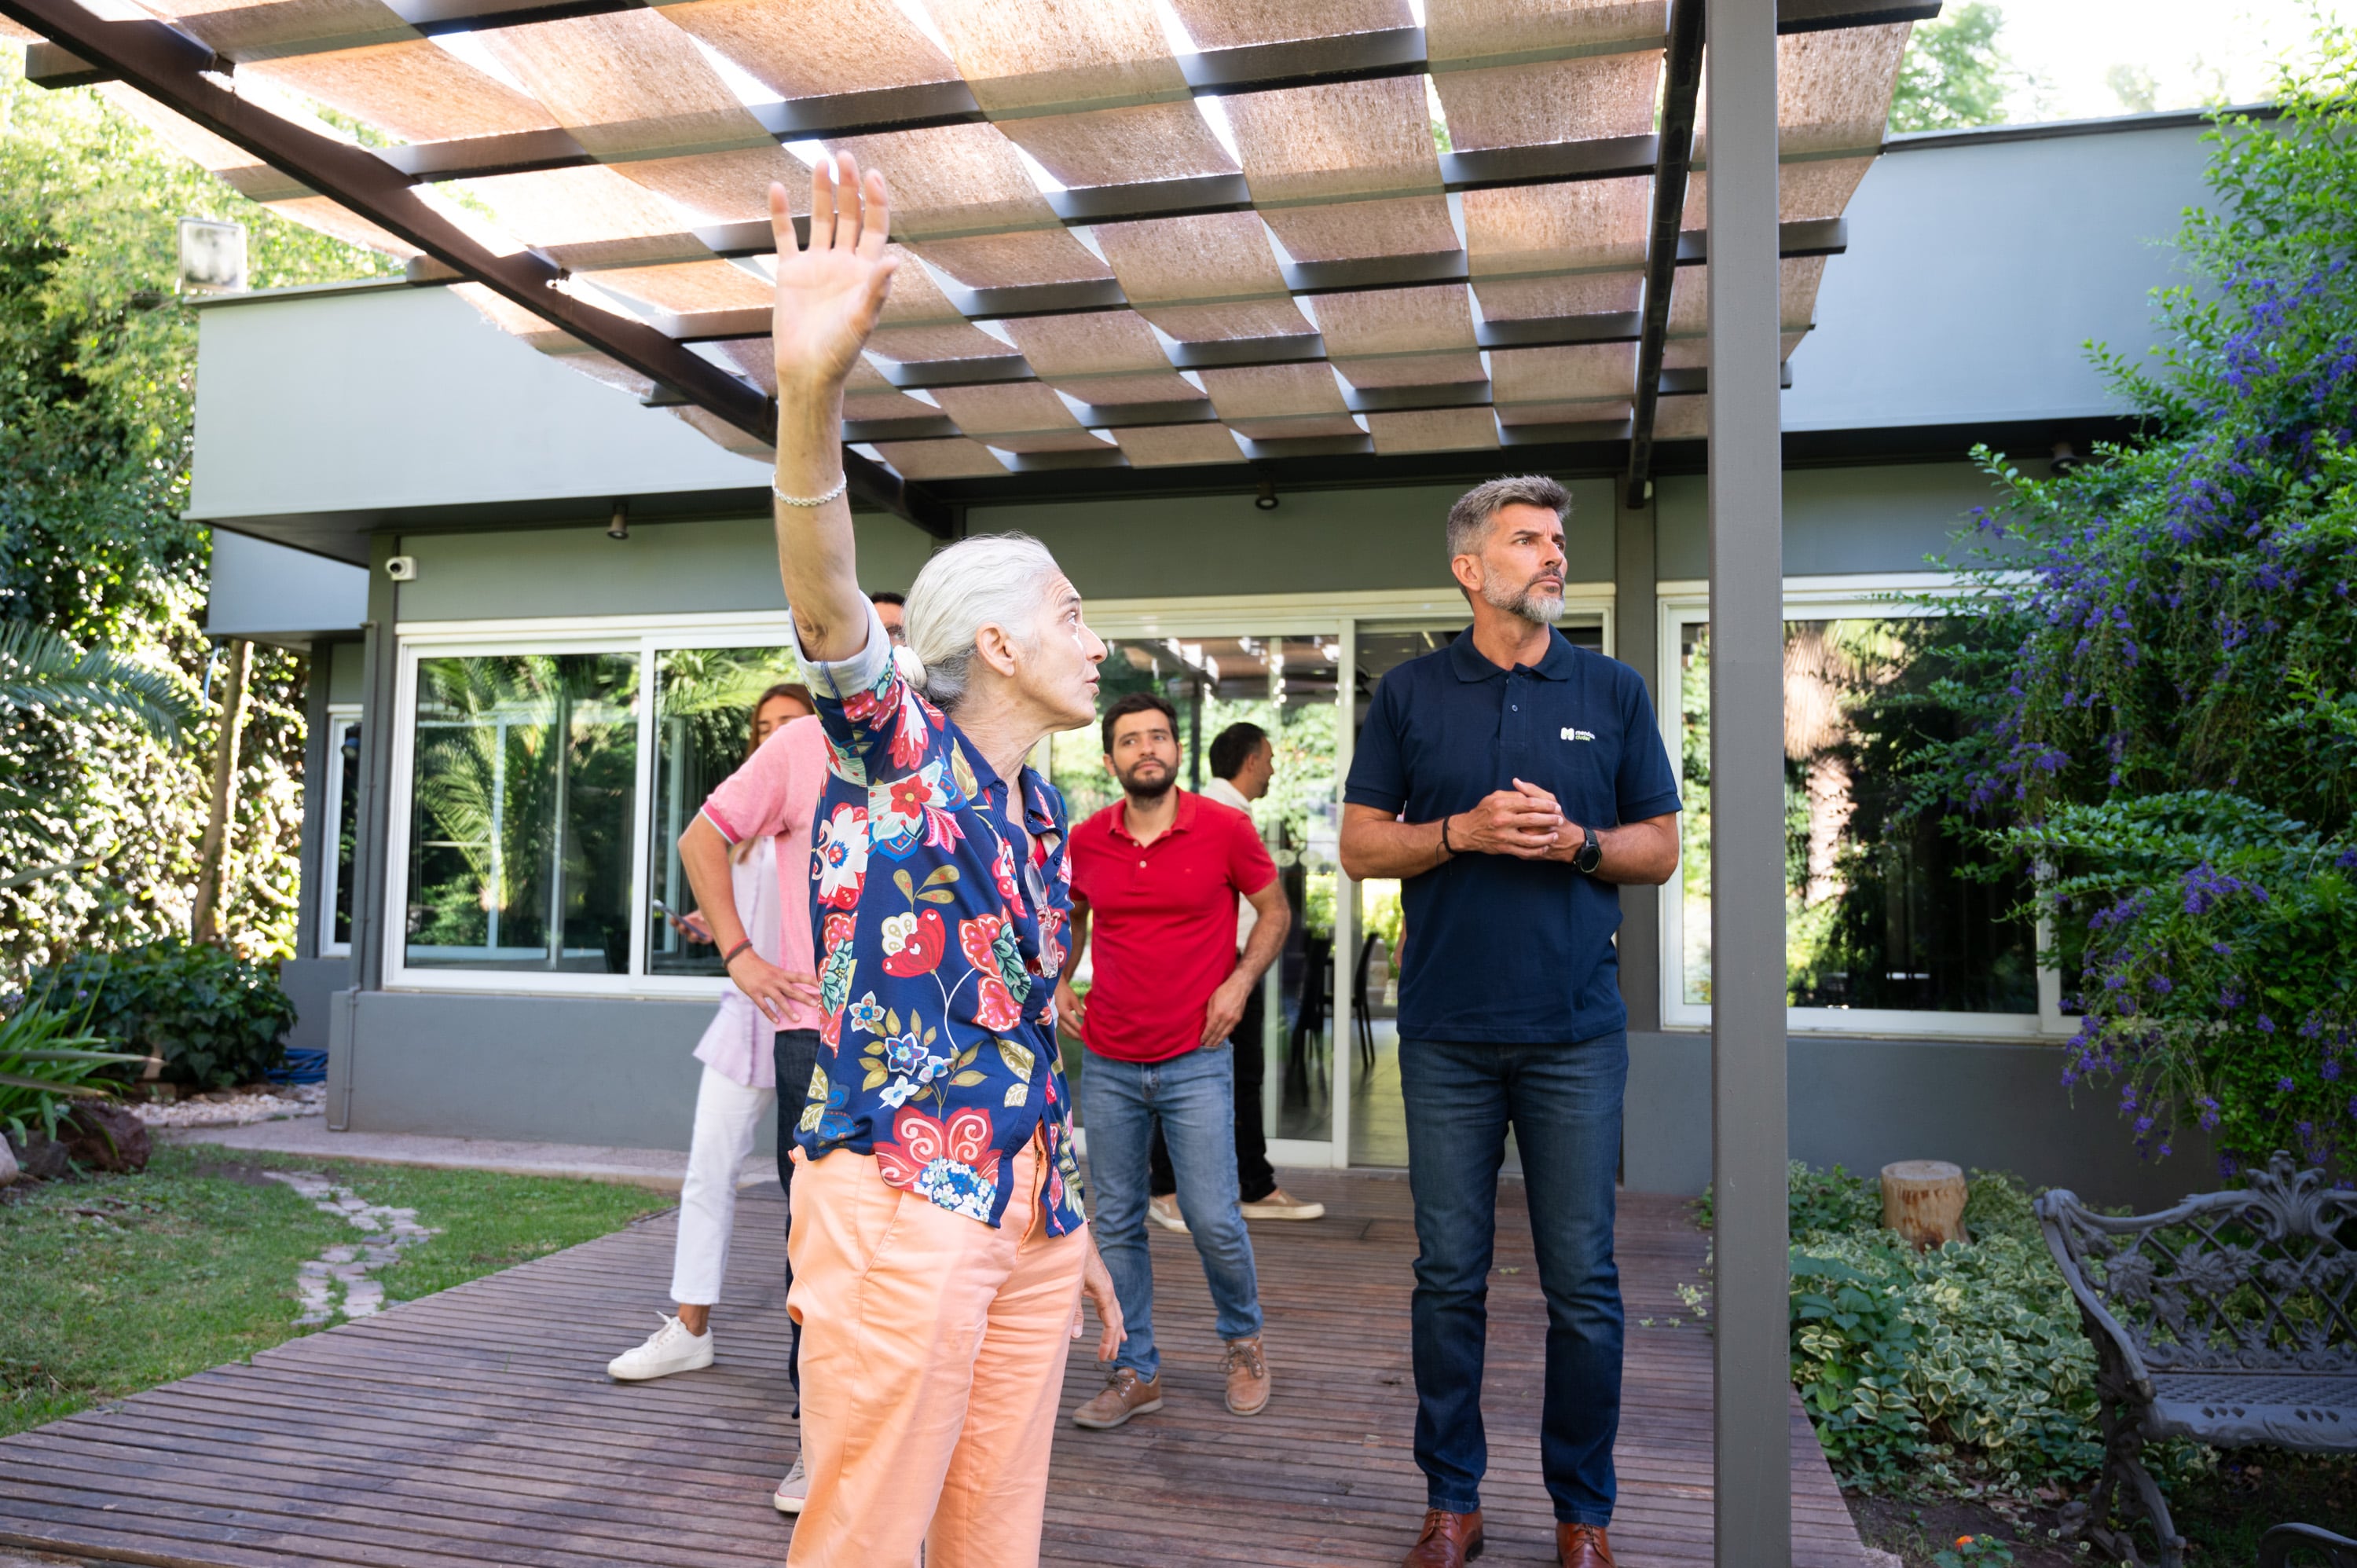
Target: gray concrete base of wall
<point>608,1071</point>
<point>1864,1103</point>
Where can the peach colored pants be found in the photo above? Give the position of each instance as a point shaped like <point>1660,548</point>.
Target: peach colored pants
<point>934,1353</point>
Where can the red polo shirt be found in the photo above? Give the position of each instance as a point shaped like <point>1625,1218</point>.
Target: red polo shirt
<point>1162,923</point>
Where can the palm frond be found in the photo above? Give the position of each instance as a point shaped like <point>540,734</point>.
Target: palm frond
<point>40,669</point>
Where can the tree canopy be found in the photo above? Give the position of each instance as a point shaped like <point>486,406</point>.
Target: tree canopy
<point>1954,74</point>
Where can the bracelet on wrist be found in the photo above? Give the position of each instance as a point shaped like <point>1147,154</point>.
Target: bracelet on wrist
<point>841,485</point>
<point>1445,847</point>
<point>730,956</point>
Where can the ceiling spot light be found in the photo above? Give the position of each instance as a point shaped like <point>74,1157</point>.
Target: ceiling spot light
<point>2065,458</point>
<point>1266,499</point>
<point>618,525</point>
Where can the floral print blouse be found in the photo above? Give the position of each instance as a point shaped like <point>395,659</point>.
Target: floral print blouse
<point>941,921</point>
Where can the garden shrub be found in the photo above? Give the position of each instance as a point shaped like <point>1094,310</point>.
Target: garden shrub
<point>2167,730</point>
<point>49,1060</point>
<point>215,1019</point>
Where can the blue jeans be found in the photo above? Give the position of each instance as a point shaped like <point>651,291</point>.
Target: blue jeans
<point>1564,1103</point>
<point>1192,1098</point>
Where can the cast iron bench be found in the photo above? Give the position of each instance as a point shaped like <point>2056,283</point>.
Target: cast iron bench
<point>2230,1319</point>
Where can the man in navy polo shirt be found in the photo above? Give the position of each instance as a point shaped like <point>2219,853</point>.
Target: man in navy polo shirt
<point>1509,779</point>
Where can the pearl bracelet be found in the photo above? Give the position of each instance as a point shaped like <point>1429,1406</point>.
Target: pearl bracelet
<point>841,485</point>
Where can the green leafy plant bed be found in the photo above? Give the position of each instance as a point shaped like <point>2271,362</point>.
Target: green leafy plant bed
<point>1953,1393</point>
<point>214,1019</point>
<point>112,1285</point>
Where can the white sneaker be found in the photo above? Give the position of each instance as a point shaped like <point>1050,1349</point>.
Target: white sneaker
<point>1282,1204</point>
<point>671,1349</point>
<point>794,1490</point>
<point>1164,1211</point>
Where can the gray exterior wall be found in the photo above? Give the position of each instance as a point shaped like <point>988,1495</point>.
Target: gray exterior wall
<point>1864,1103</point>
<point>1837,521</point>
<point>272,594</point>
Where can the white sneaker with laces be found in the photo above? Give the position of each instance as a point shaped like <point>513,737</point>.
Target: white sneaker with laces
<point>794,1490</point>
<point>671,1349</point>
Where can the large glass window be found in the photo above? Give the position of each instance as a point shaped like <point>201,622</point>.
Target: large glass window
<point>522,800</point>
<point>1886,909</point>
<point>704,700</point>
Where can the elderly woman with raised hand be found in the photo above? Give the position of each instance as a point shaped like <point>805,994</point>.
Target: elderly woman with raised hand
<point>939,1247</point>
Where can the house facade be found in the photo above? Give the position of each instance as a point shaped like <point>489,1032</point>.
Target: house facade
<point>538,610</point>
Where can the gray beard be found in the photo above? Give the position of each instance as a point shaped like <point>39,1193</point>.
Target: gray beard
<point>1539,609</point>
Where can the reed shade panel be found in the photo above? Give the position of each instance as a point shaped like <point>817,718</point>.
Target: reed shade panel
<point>1295,427</point>
<point>1832,91</point>
<point>1025,55</point>
<point>416,90</point>
<point>915,298</point>
<point>1605,411</point>
<point>246,31</point>
<point>952,179</point>
<point>1220,255</point>
<point>1413,369</point>
<point>1578,371</point>
<point>1406,226</point>
<point>1394,320</point>
<point>1462,29</point>
<point>1123,146</point>
<point>1582,293</point>
<point>1694,353</point>
<point>1815,187</point>
<point>1222,323</point>
<point>1597,225</point>
<point>1098,343</point>
<point>1006,410</point>
<point>1432,430</point>
<point>1273,392</point>
<point>576,355</point>
<point>1030,256</point>
<point>805,51</point>
<point>1171,446</point>
<point>1348,139</point>
<point>950,459</point>
<point>723,188</point>
<point>627,85</point>
<point>689,287</point>
<point>1681,419</point>
<point>1551,100</point>
<point>587,216</point>
<point>1690,296</point>
<point>721,433</point>
<point>1230,24</point>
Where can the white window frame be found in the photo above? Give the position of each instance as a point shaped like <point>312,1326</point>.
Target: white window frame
<point>332,798</point>
<point>1687,603</point>
<point>646,636</point>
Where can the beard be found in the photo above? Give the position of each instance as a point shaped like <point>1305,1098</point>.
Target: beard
<point>1150,787</point>
<point>1540,609</point>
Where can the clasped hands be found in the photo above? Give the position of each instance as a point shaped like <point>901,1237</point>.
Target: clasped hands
<point>1524,822</point>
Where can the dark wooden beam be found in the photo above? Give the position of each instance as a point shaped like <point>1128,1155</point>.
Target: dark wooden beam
<point>1681,85</point>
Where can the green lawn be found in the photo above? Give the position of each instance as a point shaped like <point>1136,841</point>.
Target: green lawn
<point>118,1283</point>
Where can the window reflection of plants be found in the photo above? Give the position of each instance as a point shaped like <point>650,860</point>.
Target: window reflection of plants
<point>1886,908</point>
<point>523,783</point>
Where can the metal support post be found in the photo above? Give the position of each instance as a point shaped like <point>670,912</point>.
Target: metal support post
<point>1751,1442</point>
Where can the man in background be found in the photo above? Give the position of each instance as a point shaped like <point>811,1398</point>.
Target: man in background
<point>1155,876</point>
<point>1243,760</point>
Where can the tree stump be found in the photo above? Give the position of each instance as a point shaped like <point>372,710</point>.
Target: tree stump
<point>1923,1200</point>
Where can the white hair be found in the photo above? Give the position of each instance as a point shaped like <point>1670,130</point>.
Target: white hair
<point>991,578</point>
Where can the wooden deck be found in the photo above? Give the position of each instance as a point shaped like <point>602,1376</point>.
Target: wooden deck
<point>477,1427</point>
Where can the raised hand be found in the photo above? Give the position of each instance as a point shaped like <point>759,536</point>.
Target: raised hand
<point>830,295</point>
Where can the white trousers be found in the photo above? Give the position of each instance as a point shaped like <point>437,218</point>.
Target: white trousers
<point>727,1115</point>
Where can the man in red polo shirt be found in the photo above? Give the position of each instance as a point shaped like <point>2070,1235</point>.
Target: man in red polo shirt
<point>1155,882</point>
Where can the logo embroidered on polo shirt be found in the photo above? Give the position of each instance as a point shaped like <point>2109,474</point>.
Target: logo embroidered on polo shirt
<point>1571,734</point>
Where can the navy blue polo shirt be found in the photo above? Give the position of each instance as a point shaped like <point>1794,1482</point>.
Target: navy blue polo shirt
<point>1500,950</point>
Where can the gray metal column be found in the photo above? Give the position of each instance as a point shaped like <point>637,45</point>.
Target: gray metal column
<point>1635,642</point>
<point>316,842</point>
<point>1751,1442</point>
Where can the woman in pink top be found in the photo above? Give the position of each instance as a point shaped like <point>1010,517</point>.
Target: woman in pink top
<point>751,1048</point>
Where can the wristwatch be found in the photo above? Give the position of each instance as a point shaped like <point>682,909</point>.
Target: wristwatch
<point>1592,853</point>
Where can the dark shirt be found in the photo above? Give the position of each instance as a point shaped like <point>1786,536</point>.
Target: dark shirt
<point>1496,948</point>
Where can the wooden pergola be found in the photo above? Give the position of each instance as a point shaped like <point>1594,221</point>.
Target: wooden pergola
<point>1205,244</point>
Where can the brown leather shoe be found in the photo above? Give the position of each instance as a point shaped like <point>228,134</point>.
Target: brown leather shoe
<point>1247,1377</point>
<point>1583,1546</point>
<point>1126,1394</point>
<point>1450,1541</point>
